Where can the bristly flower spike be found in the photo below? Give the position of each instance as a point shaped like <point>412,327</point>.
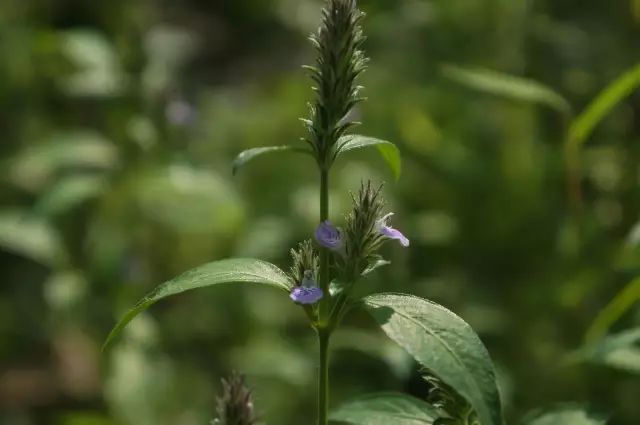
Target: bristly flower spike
<point>235,405</point>
<point>339,63</point>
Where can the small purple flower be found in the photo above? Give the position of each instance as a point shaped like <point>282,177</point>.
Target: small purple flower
<point>390,232</point>
<point>329,236</point>
<point>302,295</point>
<point>308,291</point>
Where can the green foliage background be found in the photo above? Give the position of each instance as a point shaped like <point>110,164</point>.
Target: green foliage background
<point>119,124</point>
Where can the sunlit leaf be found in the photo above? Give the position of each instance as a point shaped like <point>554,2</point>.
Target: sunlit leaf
<point>25,234</point>
<point>506,85</point>
<point>620,351</point>
<point>444,344</point>
<point>564,415</point>
<point>251,154</point>
<point>621,303</point>
<point>582,127</point>
<point>385,409</point>
<point>388,150</point>
<point>236,270</point>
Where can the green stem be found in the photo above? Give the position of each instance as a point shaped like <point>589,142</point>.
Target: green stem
<point>323,316</point>
<point>324,252</point>
<point>323,375</point>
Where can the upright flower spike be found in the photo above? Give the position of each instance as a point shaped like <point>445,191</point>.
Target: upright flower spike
<point>235,405</point>
<point>339,63</point>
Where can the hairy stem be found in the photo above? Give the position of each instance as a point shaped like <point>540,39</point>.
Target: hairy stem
<point>323,377</point>
<point>323,332</point>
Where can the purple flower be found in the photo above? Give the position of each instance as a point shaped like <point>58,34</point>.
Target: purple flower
<point>308,291</point>
<point>302,295</point>
<point>329,236</point>
<point>390,232</point>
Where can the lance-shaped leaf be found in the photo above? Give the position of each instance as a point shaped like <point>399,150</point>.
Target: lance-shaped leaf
<point>445,345</point>
<point>251,154</point>
<point>564,415</point>
<point>234,270</point>
<point>624,301</point>
<point>582,127</point>
<point>26,234</point>
<point>508,86</point>
<point>620,351</point>
<point>385,409</point>
<point>388,150</point>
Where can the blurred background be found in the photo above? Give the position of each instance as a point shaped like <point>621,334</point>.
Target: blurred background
<point>119,121</point>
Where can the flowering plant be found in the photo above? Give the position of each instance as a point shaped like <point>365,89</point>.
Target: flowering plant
<point>324,272</point>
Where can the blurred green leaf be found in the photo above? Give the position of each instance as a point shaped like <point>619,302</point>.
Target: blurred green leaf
<point>444,344</point>
<point>235,270</point>
<point>385,409</point>
<point>36,166</point>
<point>84,418</point>
<point>583,125</point>
<point>98,71</point>
<point>506,85</point>
<point>621,303</point>
<point>251,154</point>
<point>620,351</point>
<point>25,234</point>
<point>168,48</point>
<point>187,199</point>
<point>388,150</point>
<point>69,193</point>
<point>564,415</point>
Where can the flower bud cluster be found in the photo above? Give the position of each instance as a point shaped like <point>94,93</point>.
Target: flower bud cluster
<point>303,274</point>
<point>356,246</point>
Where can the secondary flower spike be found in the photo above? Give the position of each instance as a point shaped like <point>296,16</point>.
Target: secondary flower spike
<point>329,236</point>
<point>390,232</point>
<point>308,291</point>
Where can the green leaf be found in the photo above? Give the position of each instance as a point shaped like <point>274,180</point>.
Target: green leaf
<point>564,415</point>
<point>235,270</point>
<point>444,344</point>
<point>70,192</point>
<point>36,167</point>
<point>251,154</point>
<point>508,86</point>
<point>30,236</point>
<point>388,150</point>
<point>385,409</point>
<point>620,351</point>
<point>98,71</point>
<point>621,303</point>
<point>582,127</point>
